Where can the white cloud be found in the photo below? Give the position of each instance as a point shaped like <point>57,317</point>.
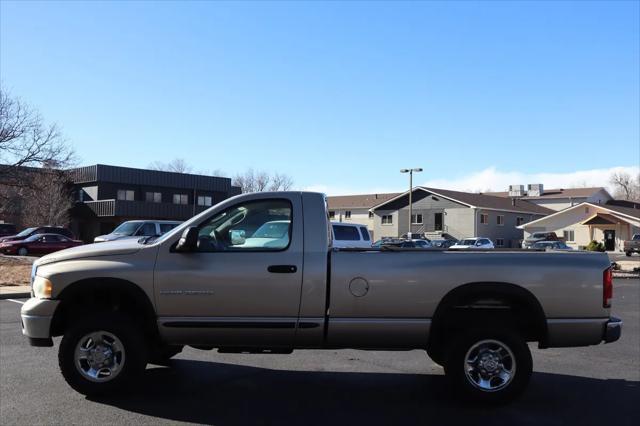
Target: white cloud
<point>497,180</point>
<point>492,179</point>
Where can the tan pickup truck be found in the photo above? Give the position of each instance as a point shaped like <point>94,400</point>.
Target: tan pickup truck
<point>633,245</point>
<point>257,273</point>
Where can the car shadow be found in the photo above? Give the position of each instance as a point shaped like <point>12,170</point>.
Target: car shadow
<point>228,394</point>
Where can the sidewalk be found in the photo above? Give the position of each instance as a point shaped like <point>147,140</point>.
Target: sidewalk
<point>15,292</point>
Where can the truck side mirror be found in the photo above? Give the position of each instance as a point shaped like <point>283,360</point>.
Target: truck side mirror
<point>188,241</point>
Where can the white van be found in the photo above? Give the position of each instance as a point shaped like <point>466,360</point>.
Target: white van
<point>138,228</point>
<point>350,235</point>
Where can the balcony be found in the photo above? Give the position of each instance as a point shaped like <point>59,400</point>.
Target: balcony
<point>143,210</point>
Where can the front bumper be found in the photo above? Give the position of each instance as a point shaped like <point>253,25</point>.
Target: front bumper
<point>613,330</point>
<point>37,315</point>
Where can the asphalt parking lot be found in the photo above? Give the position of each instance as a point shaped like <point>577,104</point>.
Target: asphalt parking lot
<point>573,386</point>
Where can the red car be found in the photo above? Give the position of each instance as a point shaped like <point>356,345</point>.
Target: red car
<point>38,244</point>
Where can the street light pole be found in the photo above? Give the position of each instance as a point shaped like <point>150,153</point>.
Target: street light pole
<point>410,171</point>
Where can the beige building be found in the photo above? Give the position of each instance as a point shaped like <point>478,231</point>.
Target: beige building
<point>355,208</point>
<point>556,199</point>
<point>610,223</point>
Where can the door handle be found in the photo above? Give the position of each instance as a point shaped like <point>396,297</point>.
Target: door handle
<point>283,269</point>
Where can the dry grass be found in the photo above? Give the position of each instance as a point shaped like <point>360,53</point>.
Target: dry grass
<point>15,270</point>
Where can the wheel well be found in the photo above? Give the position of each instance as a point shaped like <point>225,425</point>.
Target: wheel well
<point>104,294</point>
<point>487,304</point>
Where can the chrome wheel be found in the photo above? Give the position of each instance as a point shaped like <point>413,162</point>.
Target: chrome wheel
<point>489,365</point>
<point>99,356</point>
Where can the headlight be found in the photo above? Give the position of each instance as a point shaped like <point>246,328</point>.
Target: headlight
<point>34,268</point>
<point>42,288</point>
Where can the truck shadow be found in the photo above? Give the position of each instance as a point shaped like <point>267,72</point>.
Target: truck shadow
<point>228,394</point>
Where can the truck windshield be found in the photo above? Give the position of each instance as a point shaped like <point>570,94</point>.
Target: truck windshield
<point>127,228</point>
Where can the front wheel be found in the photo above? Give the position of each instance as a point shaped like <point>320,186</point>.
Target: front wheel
<point>102,353</point>
<point>22,251</point>
<point>628,254</point>
<point>489,366</point>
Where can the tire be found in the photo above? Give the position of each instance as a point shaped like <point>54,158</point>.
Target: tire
<point>22,251</point>
<point>628,254</point>
<point>494,378</point>
<point>111,330</point>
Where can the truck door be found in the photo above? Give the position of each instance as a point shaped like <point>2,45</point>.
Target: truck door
<point>241,287</point>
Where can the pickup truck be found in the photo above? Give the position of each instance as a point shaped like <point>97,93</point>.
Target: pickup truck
<point>633,245</point>
<point>120,305</point>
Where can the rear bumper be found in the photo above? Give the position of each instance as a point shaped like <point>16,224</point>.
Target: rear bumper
<point>613,330</point>
<point>571,332</point>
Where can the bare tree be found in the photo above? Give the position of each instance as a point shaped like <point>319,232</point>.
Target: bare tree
<point>25,140</point>
<point>48,200</point>
<point>259,181</point>
<point>625,185</point>
<point>177,165</point>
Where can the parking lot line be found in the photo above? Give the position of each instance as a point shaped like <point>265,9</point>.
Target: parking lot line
<point>15,301</point>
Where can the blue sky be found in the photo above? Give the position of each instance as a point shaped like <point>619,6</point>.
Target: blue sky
<point>338,95</point>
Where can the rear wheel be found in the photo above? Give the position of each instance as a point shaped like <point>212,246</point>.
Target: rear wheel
<point>22,251</point>
<point>102,353</point>
<point>492,366</point>
<point>628,253</point>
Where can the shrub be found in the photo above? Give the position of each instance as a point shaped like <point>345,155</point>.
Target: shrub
<point>595,246</point>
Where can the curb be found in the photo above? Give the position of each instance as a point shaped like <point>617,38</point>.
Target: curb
<point>23,295</point>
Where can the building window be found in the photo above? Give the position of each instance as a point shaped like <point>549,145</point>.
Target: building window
<point>484,218</point>
<point>586,209</point>
<point>370,215</point>
<point>153,197</point>
<point>347,214</point>
<point>499,242</point>
<point>332,214</point>
<point>416,219</point>
<point>204,200</point>
<point>387,219</point>
<point>180,199</point>
<point>569,235</point>
<point>500,220</point>
<point>519,220</point>
<point>126,195</point>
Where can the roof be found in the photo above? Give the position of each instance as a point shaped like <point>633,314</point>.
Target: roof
<point>556,193</point>
<point>629,212</point>
<point>364,201</point>
<point>484,201</point>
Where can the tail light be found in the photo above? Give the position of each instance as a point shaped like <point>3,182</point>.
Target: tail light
<point>607,287</point>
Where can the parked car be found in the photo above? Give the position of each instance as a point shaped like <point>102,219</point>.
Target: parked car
<point>446,243</point>
<point>7,229</point>
<point>385,240</point>
<point>417,243</point>
<point>273,234</point>
<point>474,243</point>
<point>554,245</point>
<point>38,244</point>
<point>351,235</point>
<point>26,233</point>
<point>632,245</point>
<point>138,228</point>
<point>539,236</point>
<point>121,305</point>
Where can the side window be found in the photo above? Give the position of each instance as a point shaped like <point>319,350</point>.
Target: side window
<point>346,233</point>
<point>166,227</point>
<point>147,229</point>
<point>263,225</point>
<point>365,233</point>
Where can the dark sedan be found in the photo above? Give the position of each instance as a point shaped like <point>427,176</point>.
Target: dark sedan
<point>38,244</point>
<point>29,232</point>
